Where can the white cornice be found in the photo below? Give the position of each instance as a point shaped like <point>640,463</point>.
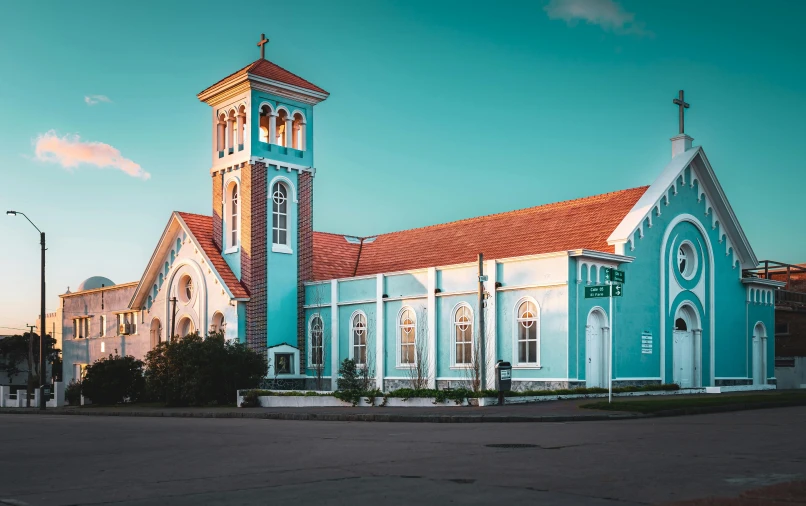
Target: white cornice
<point>764,282</point>
<point>601,255</point>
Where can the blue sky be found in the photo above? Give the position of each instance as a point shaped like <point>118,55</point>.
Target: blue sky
<point>438,111</point>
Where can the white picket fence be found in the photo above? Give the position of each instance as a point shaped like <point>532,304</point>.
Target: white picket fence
<point>17,400</point>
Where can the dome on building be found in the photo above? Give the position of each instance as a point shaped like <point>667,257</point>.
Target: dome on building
<point>95,282</point>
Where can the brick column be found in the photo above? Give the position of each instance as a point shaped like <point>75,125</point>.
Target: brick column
<point>304,255</point>
<point>218,197</point>
<point>254,242</point>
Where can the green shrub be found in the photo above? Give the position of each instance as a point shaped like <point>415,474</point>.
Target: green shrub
<point>194,371</point>
<point>251,399</point>
<point>350,379</point>
<point>72,393</point>
<point>113,380</point>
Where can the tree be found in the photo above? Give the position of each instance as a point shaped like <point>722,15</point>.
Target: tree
<point>24,349</point>
<point>419,372</point>
<point>114,380</point>
<point>194,371</point>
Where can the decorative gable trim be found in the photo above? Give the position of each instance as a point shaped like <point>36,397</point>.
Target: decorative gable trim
<point>651,204</point>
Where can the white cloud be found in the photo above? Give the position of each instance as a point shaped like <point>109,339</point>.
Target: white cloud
<point>70,152</point>
<point>605,13</point>
<point>96,99</point>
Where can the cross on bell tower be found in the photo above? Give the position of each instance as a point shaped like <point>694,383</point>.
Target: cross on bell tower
<point>262,45</point>
<point>682,105</point>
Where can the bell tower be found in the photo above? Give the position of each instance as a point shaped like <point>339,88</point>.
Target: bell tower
<point>262,172</point>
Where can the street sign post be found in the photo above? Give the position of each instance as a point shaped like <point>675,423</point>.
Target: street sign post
<point>602,291</point>
<point>614,288</point>
<point>614,275</point>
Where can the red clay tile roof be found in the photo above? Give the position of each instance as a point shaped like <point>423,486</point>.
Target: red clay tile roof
<point>202,229</point>
<point>584,223</point>
<point>269,70</point>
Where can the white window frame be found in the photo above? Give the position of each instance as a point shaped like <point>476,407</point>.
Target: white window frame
<point>280,246</point>
<point>232,217</point>
<point>454,323</point>
<point>310,364</point>
<point>353,330</point>
<point>516,362</point>
<point>399,340</point>
<point>102,333</point>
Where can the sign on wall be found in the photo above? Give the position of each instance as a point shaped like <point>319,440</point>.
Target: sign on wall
<point>646,342</point>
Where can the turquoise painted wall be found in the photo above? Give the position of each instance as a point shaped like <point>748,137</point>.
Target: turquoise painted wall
<point>233,260</point>
<point>357,289</point>
<point>281,274</point>
<point>318,293</point>
<point>637,311</point>
<point>458,280</point>
<point>553,322</point>
<point>406,285</point>
<point>290,155</point>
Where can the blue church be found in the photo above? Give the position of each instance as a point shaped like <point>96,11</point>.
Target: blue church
<point>408,306</point>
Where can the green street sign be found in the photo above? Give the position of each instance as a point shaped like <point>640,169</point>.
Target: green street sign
<point>614,275</point>
<point>595,292</point>
<point>601,291</point>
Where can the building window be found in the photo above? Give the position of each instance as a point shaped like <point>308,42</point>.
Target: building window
<point>359,338</point>
<point>186,289</point>
<point>686,260</point>
<point>185,327</point>
<point>407,335</point>
<point>103,326</point>
<point>218,324</point>
<point>463,335</point>
<point>316,348</point>
<point>79,371</point>
<point>283,363</point>
<point>127,323</point>
<point>782,329</point>
<point>279,197</point>
<point>280,127</point>
<point>298,125</point>
<point>156,332</point>
<point>528,334</point>
<point>232,215</point>
<point>81,328</point>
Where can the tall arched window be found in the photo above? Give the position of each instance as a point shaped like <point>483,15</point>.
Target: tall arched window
<point>156,332</point>
<point>298,125</point>
<point>281,124</point>
<point>407,337</point>
<point>528,334</point>
<point>463,335</point>
<point>231,210</point>
<point>185,327</point>
<point>359,334</point>
<point>217,324</point>
<point>316,350</point>
<point>279,198</point>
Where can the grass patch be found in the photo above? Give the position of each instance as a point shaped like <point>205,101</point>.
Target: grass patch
<point>649,406</point>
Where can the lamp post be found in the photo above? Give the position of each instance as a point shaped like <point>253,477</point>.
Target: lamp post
<point>42,400</point>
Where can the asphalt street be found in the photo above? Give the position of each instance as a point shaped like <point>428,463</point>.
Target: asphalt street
<point>66,460</point>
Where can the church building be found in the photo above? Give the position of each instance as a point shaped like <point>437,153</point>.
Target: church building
<point>409,305</point>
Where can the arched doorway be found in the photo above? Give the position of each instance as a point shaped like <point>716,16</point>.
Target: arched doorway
<point>156,332</point>
<point>597,346</point>
<point>759,354</point>
<point>687,346</point>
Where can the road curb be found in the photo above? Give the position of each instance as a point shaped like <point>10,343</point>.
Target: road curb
<point>334,417</point>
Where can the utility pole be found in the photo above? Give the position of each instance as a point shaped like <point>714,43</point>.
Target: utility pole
<point>173,319</point>
<point>30,363</point>
<point>482,359</point>
<point>42,372</point>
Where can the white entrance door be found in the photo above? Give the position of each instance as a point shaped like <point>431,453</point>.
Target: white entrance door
<point>683,358</point>
<point>759,355</point>
<point>596,351</point>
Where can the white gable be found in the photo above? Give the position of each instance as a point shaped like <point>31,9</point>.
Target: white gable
<point>716,205</point>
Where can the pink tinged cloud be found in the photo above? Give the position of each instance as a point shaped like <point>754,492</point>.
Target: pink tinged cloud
<point>70,152</point>
<point>96,99</point>
<point>606,13</point>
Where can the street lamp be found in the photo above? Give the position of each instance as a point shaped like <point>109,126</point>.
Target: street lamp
<point>42,400</point>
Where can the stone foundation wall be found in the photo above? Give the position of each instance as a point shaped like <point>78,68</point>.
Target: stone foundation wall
<point>634,383</point>
<point>732,382</point>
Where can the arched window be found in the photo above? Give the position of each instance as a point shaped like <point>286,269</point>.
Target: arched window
<point>316,349</point>
<point>680,324</point>
<point>359,334</point>
<point>279,198</point>
<point>463,335</point>
<point>231,210</point>
<point>267,124</point>
<point>149,301</point>
<point>166,268</point>
<point>241,127</point>
<point>232,134</point>
<point>178,244</point>
<point>185,327</point>
<point>407,337</point>
<point>218,324</point>
<point>186,289</point>
<point>161,278</point>
<point>528,334</point>
<point>298,125</point>
<point>221,134</point>
<point>281,124</point>
<point>156,332</point>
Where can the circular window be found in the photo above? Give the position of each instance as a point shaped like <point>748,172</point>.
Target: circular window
<point>186,289</point>
<point>686,260</point>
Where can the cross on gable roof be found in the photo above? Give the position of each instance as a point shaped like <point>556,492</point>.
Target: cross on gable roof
<point>267,70</point>
<point>583,223</point>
